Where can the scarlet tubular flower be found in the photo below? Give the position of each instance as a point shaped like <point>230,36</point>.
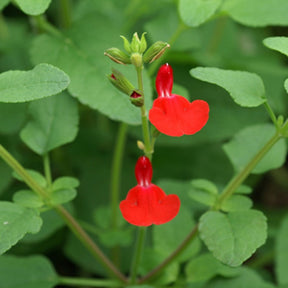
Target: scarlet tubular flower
<point>173,114</point>
<point>146,203</point>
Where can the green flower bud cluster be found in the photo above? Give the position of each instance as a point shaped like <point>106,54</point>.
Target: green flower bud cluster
<point>136,51</point>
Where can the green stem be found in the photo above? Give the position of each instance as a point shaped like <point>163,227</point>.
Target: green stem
<point>65,13</point>
<point>44,25</point>
<point>145,124</point>
<point>138,254</point>
<point>88,242</point>
<point>241,176</point>
<point>271,114</point>
<point>47,170</point>
<point>3,28</point>
<point>115,173</point>
<point>20,170</point>
<point>190,237</point>
<point>66,216</point>
<point>87,282</point>
<point>217,35</point>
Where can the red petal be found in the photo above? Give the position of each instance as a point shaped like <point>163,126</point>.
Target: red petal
<point>164,80</point>
<point>166,113</point>
<point>145,206</point>
<point>143,171</point>
<point>176,116</point>
<point>195,117</point>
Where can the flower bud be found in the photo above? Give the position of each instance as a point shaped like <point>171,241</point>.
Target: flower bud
<point>143,44</point>
<point>126,44</point>
<point>140,145</point>
<point>117,56</point>
<point>135,43</point>
<point>136,98</point>
<point>121,82</point>
<point>155,51</point>
<point>136,60</point>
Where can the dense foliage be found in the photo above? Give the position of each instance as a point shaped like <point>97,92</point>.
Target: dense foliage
<point>79,138</point>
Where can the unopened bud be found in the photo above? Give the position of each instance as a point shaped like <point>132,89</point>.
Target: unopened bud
<point>126,44</point>
<point>135,43</point>
<point>140,145</point>
<point>121,82</point>
<point>143,44</point>
<point>137,98</point>
<point>136,59</point>
<point>117,56</point>
<point>155,51</point>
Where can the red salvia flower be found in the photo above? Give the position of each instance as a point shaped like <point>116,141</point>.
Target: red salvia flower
<point>173,114</point>
<point>146,203</point>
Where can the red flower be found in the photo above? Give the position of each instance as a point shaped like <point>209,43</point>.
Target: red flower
<point>173,114</point>
<point>146,203</point>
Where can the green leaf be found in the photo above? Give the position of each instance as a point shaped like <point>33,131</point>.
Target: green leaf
<point>15,222</point>
<point>203,191</point>
<point>205,267</point>
<point>3,3</point>
<point>236,203</point>
<point>32,7</point>
<point>167,237</point>
<point>22,86</point>
<point>196,12</point>
<point>120,237</point>
<point>245,88</point>
<point>233,237</point>
<point>279,44</point>
<point>257,12</point>
<point>51,223</point>
<point>80,54</point>
<point>28,198</point>
<point>63,196</point>
<point>247,278</point>
<point>54,122</point>
<point>65,182</point>
<point>37,177</point>
<point>246,144</point>
<point>282,252</point>
<point>243,189</point>
<point>12,117</point>
<point>31,271</point>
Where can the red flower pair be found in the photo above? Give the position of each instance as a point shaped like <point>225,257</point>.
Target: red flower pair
<point>173,114</point>
<point>146,203</point>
